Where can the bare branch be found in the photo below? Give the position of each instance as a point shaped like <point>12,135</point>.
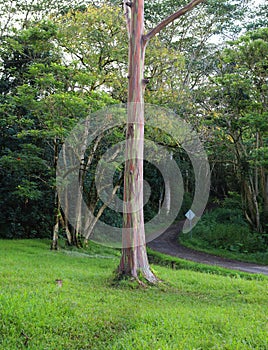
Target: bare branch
<point>170,19</point>
<point>92,224</point>
<point>127,15</point>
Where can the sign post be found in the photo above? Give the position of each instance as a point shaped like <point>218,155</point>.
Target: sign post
<point>190,216</point>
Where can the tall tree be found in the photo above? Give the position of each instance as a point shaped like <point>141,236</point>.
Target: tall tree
<point>236,113</point>
<point>134,260</point>
<point>41,100</point>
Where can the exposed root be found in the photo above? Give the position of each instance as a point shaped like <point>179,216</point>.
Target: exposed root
<point>142,279</point>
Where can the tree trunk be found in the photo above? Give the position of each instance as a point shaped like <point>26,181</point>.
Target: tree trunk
<point>168,190</point>
<point>251,204</point>
<point>134,261</point>
<point>264,179</point>
<point>56,227</point>
<point>65,222</point>
<point>54,243</point>
<point>90,224</point>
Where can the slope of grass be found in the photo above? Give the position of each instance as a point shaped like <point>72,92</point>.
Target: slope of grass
<point>198,244</point>
<point>190,310</point>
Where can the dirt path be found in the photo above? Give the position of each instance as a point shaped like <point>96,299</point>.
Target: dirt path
<point>167,243</point>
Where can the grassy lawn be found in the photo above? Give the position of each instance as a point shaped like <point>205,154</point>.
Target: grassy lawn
<point>190,310</point>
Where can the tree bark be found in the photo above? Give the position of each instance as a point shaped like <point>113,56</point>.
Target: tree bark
<point>54,243</point>
<point>264,190</point>
<point>56,227</point>
<point>90,225</point>
<point>265,206</point>
<point>134,260</point>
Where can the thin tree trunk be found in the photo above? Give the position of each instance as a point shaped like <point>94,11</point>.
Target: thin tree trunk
<point>54,243</point>
<point>82,172</point>
<point>91,224</point>
<point>168,190</point>
<point>66,204</point>
<point>264,179</point>
<point>256,168</point>
<point>264,189</point>
<point>252,211</point>
<point>160,201</point>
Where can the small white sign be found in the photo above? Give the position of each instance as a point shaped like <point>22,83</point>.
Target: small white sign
<point>190,215</point>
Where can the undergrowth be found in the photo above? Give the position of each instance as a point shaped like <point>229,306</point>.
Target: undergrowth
<point>224,232</point>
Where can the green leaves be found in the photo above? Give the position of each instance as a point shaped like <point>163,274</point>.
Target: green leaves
<point>100,45</point>
<point>237,96</point>
<point>42,98</point>
<point>28,190</point>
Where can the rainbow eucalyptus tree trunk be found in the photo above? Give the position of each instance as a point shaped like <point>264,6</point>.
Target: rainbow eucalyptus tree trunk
<point>134,257</point>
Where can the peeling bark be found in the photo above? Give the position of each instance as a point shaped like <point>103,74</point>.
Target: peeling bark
<point>134,260</point>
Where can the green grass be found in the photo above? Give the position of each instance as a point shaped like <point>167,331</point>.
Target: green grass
<point>225,233</point>
<point>199,244</point>
<point>189,310</point>
<point>178,263</point>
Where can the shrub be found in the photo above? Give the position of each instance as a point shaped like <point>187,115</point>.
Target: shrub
<point>226,229</point>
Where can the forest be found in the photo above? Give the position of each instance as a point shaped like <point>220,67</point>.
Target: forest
<point>61,62</point>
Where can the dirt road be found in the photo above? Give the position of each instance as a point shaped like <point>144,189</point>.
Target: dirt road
<point>167,243</point>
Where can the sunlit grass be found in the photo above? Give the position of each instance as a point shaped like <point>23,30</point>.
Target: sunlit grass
<point>189,310</point>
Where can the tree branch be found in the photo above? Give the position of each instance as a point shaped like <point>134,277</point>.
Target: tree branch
<point>170,19</point>
<point>127,15</point>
